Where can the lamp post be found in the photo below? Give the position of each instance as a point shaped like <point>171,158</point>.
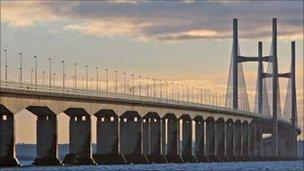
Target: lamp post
<point>97,79</point>
<point>139,77</point>
<point>172,90</point>
<point>107,81</point>
<point>5,63</point>
<point>54,78</point>
<point>75,75</point>
<point>124,83</point>
<point>132,84</point>
<point>187,93</point>
<point>35,57</point>
<point>116,80</point>
<point>160,89</point>
<point>50,71</point>
<point>154,88</point>
<point>148,88</point>
<point>87,77</point>
<point>177,89</point>
<point>32,76</point>
<point>63,75</point>
<point>43,72</point>
<point>20,68</point>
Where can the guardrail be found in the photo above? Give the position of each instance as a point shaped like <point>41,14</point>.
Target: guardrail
<point>59,90</point>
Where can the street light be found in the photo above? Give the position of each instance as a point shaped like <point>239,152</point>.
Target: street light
<point>32,75</point>
<point>154,88</point>
<point>20,68</point>
<point>6,66</point>
<point>107,77</point>
<point>116,88</point>
<point>43,72</point>
<point>132,84</point>
<point>35,57</point>
<point>148,93</point>
<point>54,78</point>
<point>63,75</point>
<point>97,79</point>
<point>50,71</point>
<point>139,77</point>
<point>87,76</point>
<point>124,83</point>
<point>75,75</point>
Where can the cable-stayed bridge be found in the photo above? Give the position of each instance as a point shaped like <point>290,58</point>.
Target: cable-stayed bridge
<point>144,120</point>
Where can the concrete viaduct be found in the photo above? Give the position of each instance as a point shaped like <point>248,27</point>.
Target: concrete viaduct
<point>135,129</point>
<point>139,129</point>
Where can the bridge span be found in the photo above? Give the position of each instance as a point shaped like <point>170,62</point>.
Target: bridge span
<point>143,129</point>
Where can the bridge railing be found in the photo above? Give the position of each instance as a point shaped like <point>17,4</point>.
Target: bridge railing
<point>63,91</point>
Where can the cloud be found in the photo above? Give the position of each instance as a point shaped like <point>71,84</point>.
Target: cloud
<point>164,21</point>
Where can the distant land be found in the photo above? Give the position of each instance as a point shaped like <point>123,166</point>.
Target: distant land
<point>28,151</point>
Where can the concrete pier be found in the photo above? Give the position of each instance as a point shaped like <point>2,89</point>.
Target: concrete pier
<point>7,138</point>
<point>80,137</point>
<point>230,140</point>
<point>186,141</point>
<point>107,138</point>
<point>130,137</point>
<point>152,138</point>
<point>211,139</point>
<point>284,145</point>
<point>238,138</point>
<point>171,137</point>
<point>199,139</point>
<point>220,133</point>
<point>46,133</point>
<point>246,138</point>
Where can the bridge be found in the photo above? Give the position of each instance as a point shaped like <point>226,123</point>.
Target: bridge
<point>158,126</point>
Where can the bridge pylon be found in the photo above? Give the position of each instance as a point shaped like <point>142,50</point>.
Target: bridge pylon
<point>274,75</point>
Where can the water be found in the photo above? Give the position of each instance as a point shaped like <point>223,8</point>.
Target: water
<point>231,166</point>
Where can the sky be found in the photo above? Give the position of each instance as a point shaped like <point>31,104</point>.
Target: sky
<point>187,42</point>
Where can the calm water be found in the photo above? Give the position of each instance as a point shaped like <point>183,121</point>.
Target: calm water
<point>231,166</point>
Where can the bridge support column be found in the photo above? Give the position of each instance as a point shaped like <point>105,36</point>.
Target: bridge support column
<point>171,137</point>
<point>255,143</point>
<point>230,140</point>
<point>107,138</point>
<point>238,138</point>
<point>186,144</point>
<point>7,138</point>
<point>80,137</point>
<point>46,131</point>
<point>246,137</point>
<point>283,143</point>
<point>220,134</point>
<point>152,138</point>
<point>199,139</point>
<point>130,138</point>
<point>211,139</point>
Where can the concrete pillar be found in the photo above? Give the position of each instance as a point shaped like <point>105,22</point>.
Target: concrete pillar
<point>283,143</point>
<point>107,138</point>
<point>46,133</point>
<point>7,138</point>
<point>246,134</point>
<point>152,138</point>
<point>255,141</point>
<point>199,151</point>
<point>130,137</point>
<point>230,140</point>
<point>220,134</point>
<point>211,139</point>
<point>238,138</point>
<point>80,137</point>
<point>186,141</point>
<point>171,137</point>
